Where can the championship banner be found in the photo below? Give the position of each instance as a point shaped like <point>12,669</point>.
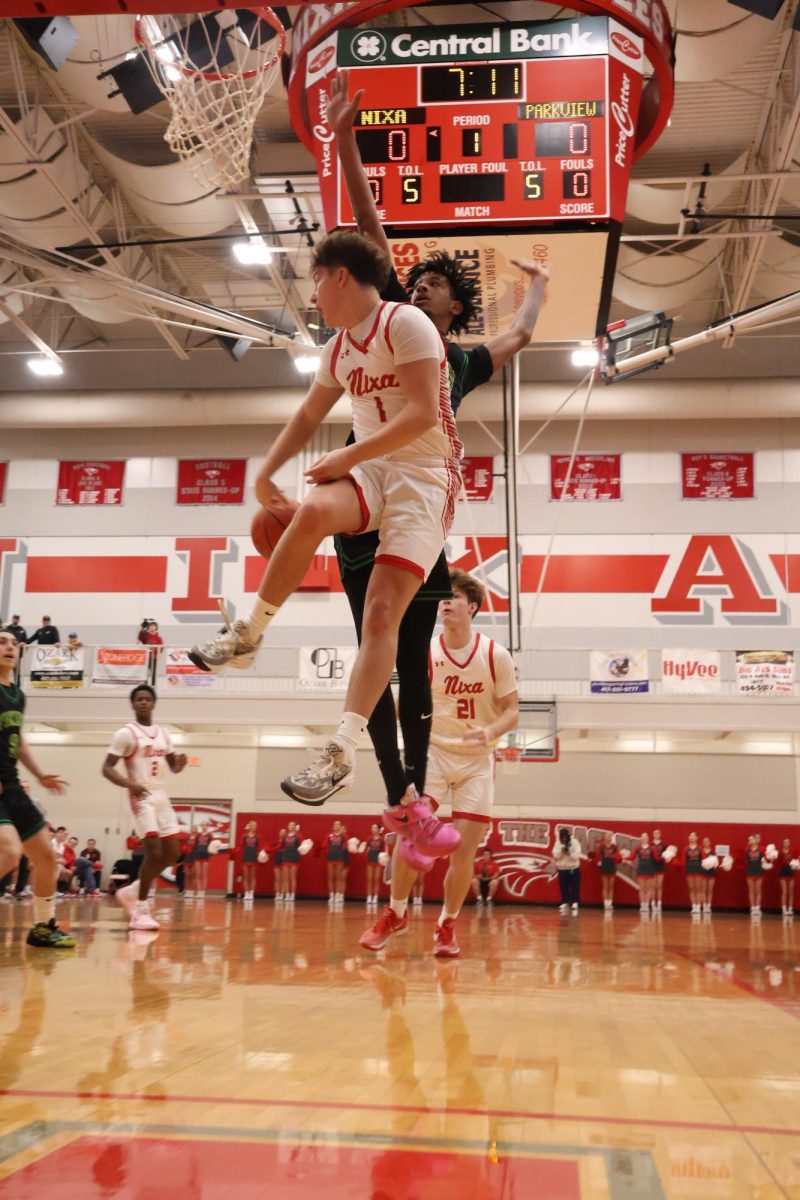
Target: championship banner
<point>718,476</point>
<point>3,477</point>
<point>55,666</point>
<point>325,668</point>
<point>594,477</point>
<point>619,673</point>
<point>119,667</point>
<point>211,480</point>
<point>180,672</point>
<point>90,482</point>
<point>477,473</point>
<point>690,672</point>
<point>765,672</point>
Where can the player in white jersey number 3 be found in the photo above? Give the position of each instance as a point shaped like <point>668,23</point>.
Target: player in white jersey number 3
<point>400,476</point>
<point>145,747</point>
<point>475,702</point>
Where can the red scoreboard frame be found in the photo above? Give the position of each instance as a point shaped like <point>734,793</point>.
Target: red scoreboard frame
<point>532,135</point>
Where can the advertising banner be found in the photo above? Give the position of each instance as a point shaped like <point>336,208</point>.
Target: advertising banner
<point>594,477</point>
<point>211,481</point>
<point>117,666</point>
<point>690,672</point>
<point>477,473</point>
<point>718,476</point>
<point>619,672</point>
<point>92,482</point>
<point>55,666</point>
<point>325,668</point>
<point>180,672</point>
<point>765,672</point>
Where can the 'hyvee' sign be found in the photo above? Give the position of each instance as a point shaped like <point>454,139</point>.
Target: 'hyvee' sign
<point>690,672</point>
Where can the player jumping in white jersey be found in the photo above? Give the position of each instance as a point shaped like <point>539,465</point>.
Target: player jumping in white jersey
<point>475,702</point>
<point>400,476</point>
<point>145,747</point>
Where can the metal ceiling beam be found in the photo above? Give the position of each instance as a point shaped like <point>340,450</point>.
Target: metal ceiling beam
<point>32,336</point>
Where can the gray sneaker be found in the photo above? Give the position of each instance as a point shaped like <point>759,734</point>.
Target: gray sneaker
<point>327,774</point>
<point>232,646</point>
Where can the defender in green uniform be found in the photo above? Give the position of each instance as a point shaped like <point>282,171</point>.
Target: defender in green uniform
<point>23,828</point>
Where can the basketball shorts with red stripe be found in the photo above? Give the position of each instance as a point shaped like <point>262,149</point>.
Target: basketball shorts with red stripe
<point>411,504</point>
<point>154,815</point>
<point>466,780</point>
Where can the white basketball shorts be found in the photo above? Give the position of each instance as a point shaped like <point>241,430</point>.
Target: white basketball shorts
<point>467,780</point>
<point>154,816</point>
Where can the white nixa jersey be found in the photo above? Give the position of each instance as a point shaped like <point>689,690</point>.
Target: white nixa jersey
<point>467,685</point>
<point>363,361</point>
<point>144,749</point>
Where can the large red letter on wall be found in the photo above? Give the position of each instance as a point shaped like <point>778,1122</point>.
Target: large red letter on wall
<point>733,575</point>
<point>201,553</point>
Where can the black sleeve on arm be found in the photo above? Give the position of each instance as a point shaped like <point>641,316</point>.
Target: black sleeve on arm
<point>394,290</point>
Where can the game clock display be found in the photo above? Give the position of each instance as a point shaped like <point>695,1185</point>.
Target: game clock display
<point>541,132</point>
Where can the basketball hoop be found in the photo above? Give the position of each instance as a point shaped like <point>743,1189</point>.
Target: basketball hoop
<point>509,758</point>
<point>214,69</point>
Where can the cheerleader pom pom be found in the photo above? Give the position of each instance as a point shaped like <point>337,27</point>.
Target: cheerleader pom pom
<point>215,846</point>
<point>775,976</point>
<point>305,846</point>
<point>263,857</point>
<point>352,845</point>
<point>669,853</point>
<point>771,852</point>
<point>710,862</point>
<point>794,863</point>
<point>362,847</point>
<point>766,864</point>
<point>727,862</point>
<point>383,858</point>
<point>625,854</point>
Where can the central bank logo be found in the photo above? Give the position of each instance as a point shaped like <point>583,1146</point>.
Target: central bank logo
<point>369,46</point>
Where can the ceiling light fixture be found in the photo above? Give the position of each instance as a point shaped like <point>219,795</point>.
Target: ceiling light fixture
<point>307,364</point>
<point>252,253</point>
<point>45,366</point>
<point>585,356</point>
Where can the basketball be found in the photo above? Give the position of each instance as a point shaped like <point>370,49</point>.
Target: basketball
<point>268,526</point>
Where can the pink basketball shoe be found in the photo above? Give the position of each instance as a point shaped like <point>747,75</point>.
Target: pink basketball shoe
<point>415,822</point>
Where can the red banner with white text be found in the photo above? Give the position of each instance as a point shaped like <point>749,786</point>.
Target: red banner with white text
<point>477,474</point>
<point>718,476</point>
<point>90,482</point>
<point>211,481</point>
<point>593,477</point>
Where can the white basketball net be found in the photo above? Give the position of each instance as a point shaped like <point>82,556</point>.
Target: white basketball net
<point>214,69</point>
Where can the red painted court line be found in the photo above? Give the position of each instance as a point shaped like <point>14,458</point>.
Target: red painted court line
<point>502,1114</point>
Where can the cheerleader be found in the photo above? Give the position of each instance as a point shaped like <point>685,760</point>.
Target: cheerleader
<point>644,858</point>
<point>709,864</point>
<point>659,866</point>
<point>754,870</point>
<point>788,865</point>
<point>278,864</point>
<point>291,859</point>
<point>693,866</point>
<point>375,847</point>
<point>607,856</point>
<point>337,857</point>
<point>249,859</point>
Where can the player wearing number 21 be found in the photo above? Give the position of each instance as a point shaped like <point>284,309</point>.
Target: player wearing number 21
<point>145,747</point>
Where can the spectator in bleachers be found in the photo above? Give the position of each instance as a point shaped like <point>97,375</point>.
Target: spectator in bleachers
<point>84,870</point>
<point>18,630</point>
<point>46,635</point>
<point>65,857</point>
<point>74,642</point>
<point>91,852</point>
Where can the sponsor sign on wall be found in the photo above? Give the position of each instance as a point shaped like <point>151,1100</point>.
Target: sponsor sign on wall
<point>90,482</point>
<point>211,480</point>
<point>118,666</point>
<point>718,476</point>
<point>593,477</point>
<point>325,668</point>
<point>765,672</point>
<point>690,672</point>
<point>180,672</point>
<point>619,672</point>
<point>55,666</point>
<point>478,475</point>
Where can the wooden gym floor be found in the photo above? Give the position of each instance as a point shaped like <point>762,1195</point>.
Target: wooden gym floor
<point>260,1053</point>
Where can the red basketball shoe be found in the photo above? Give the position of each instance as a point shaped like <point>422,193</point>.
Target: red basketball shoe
<point>444,940</point>
<point>387,924</point>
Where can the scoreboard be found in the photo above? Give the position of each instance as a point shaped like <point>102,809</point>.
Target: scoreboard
<point>520,125</point>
